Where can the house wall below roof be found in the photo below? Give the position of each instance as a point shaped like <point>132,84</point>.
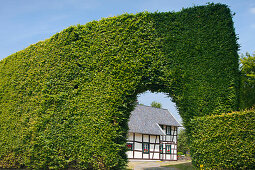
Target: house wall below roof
<point>172,137</point>
<point>154,141</point>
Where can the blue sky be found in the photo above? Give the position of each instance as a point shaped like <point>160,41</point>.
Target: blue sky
<point>25,22</point>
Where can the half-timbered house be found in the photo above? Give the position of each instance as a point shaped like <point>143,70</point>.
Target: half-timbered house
<point>152,134</point>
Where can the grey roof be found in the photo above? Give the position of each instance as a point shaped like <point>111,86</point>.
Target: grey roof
<point>146,120</point>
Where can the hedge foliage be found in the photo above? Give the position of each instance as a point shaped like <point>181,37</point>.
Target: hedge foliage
<point>224,141</point>
<point>66,101</point>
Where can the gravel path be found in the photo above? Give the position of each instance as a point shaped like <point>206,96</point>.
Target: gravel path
<point>141,165</point>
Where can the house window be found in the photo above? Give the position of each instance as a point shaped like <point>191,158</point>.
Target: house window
<point>161,148</point>
<point>129,146</point>
<point>168,149</point>
<point>168,130</point>
<point>146,147</point>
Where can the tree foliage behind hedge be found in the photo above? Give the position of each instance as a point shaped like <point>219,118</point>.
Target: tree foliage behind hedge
<point>224,141</point>
<point>182,143</point>
<point>247,81</point>
<point>66,101</point>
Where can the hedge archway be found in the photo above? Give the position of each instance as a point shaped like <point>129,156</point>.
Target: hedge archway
<point>66,100</point>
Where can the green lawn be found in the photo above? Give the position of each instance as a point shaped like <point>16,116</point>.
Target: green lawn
<point>184,166</point>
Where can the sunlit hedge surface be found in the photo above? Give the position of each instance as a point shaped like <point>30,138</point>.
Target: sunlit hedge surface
<point>225,141</point>
<point>66,101</point>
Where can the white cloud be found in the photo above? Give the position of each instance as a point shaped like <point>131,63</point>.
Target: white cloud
<point>252,10</point>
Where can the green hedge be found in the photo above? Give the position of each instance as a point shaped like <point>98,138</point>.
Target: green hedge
<point>66,101</point>
<point>224,141</point>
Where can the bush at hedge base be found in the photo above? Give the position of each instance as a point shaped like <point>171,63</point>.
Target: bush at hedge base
<point>224,141</point>
<point>66,101</point>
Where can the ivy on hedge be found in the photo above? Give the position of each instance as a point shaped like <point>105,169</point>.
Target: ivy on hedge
<point>224,141</point>
<point>66,101</point>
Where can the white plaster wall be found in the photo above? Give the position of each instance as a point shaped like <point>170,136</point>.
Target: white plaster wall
<point>138,137</point>
<point>153,138</point>
<point>138,146</point>
<point>168,138</point>
<point>154,146</point>
<point>173,149</point>
<point>145,138</point>
<point>175,139</point>
<point>129,154</point>
<point>138,154</point>
<point>146,156</point>
<point>155,156</point>
<point>130,136</point>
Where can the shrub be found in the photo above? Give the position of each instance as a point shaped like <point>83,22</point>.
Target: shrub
<point>182,144</point>
<point>224,141</point>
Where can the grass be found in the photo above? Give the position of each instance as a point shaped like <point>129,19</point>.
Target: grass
<point>184,166</point>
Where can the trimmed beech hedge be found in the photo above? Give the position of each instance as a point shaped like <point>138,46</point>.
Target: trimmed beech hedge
<point>66,101</point>
<point>224,141</point>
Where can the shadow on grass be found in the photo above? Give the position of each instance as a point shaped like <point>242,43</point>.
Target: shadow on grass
<point>184,166</point>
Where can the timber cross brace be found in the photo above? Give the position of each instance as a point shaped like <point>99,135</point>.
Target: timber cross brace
<point>70,96</point>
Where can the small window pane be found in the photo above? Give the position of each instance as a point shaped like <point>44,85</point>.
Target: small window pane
<point>130,146</point>
<point>168,149</point>
<point>168,130</point>
<point>161,148</point>
<point>146,147</point>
